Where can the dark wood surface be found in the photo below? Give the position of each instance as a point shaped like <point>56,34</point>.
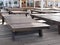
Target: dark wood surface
<point>28,25</point>
<point>18,9</point>
<point>5,15</point>
<point>18,12</point>
<point>46,11</point>
<point>50,37</point>
<point>18,19</point>
<point>52,19</point>
<point>18,23</point>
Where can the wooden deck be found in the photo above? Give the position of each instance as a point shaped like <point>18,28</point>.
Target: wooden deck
<point>50,37</point>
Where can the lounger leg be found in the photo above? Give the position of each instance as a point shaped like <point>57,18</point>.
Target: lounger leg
<point>13,36</point>
<point>26,15</point>
<point>58,29</point>
<point>32,17</point>
<point>31,12</point>
<point>2,20</point>
<point>40,33</point>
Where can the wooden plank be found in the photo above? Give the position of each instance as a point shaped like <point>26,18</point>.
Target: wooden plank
<point>53,19</point>
<point>28,27</point>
